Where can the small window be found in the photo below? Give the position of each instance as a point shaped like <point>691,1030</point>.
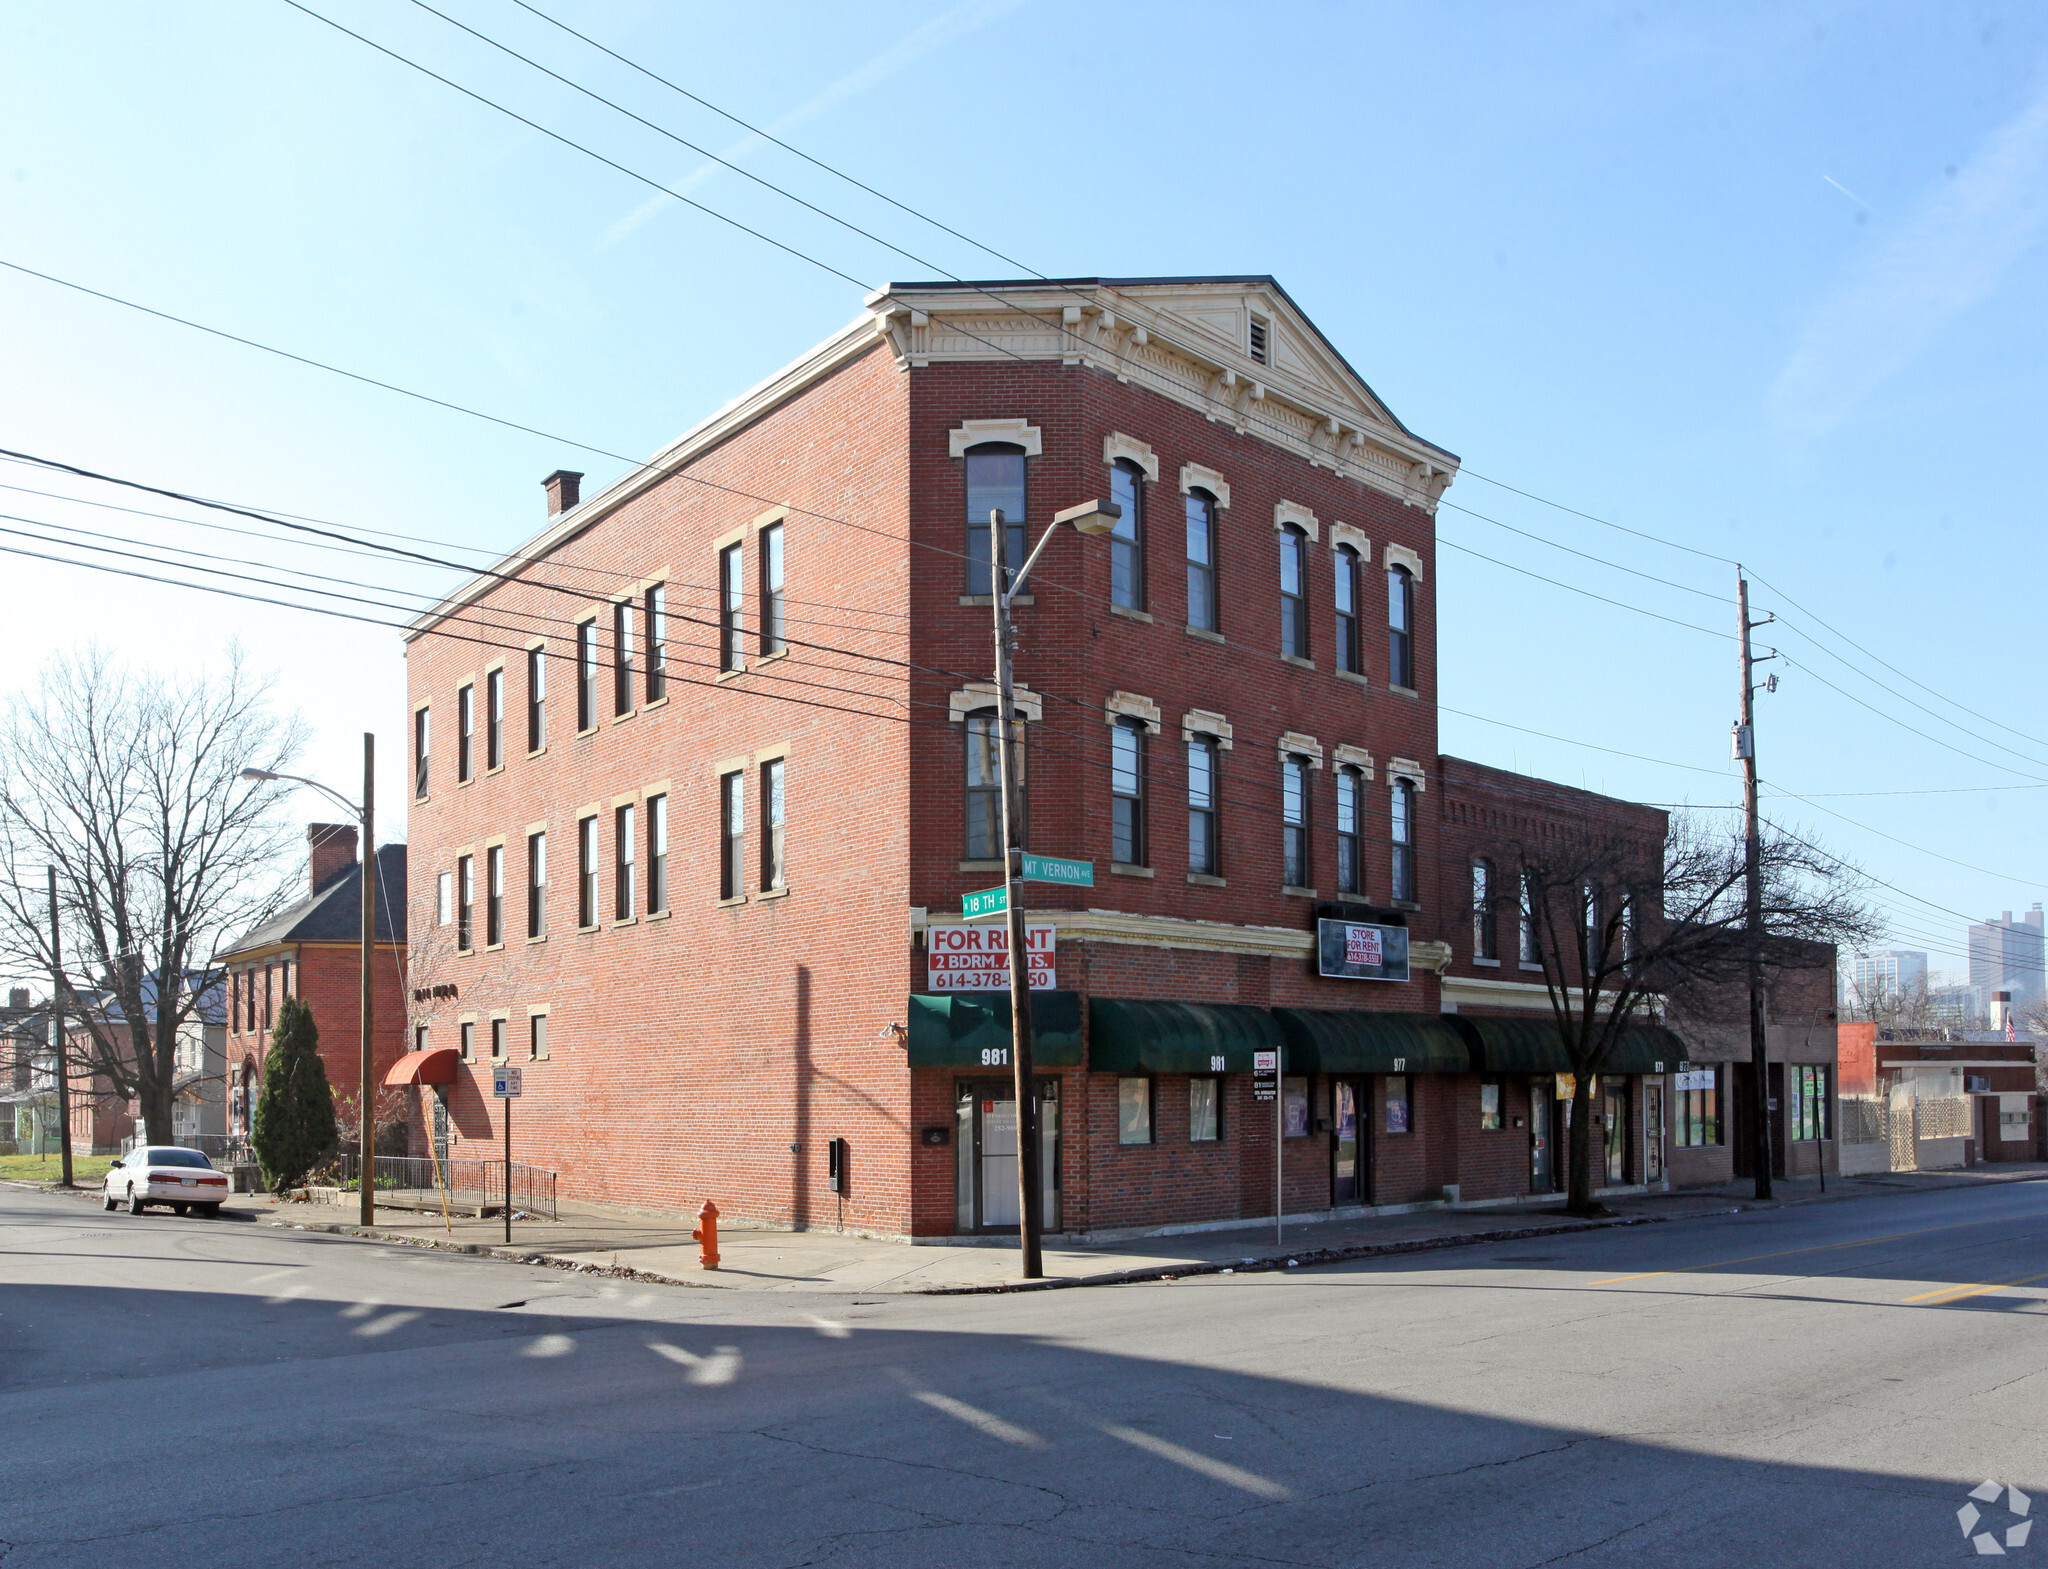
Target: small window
<point>419,1037</point>
<point>1259,332</point>
<point>1525,919</point>
<point>657,854</point>
<point>537,1037</point>
<point>1490,1093</point>
<point>498,1040</point>
<point>1398,1119</point>
<point>1482,910</point>
<point>465,901</point>
<point>622,657</point>
<point>536,699</point>
<point>1400,627</point>
<point>774,600</point>
<point>731,608</point>
<point>1127,538</point>
<point>1203,857</point>
<point>732,831</point>
<point>657,645</point>
<point>468,1038</point>
<point>1205,1110</point>
<point>537,885</point>
<point>494,719</point>
<point>995,483</point>
<point>419,753</point>
<point>1294,866</point>
<point>494,895</point>
<point>444,898</point>
<point>465,730</point>
<point>1294,1108</point>
<point>586,871</point>
<point>774,870</point>
<point>586,674</point>
<point>1401,821</point>
<point>1294,592</point>
<point>1350,808</point>
<point>1134,1111</point>
<point>1345,562</point>
<point>1201,517</point>
<point>1127,792</point>
<point>624,831</point>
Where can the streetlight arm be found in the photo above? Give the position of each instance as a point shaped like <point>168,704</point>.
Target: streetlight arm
<point>1091,517</point>
<point>262,774</point>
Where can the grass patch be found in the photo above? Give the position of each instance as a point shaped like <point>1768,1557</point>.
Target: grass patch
<point>86,1170</point>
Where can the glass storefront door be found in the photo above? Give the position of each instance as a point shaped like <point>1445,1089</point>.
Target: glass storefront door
<point>1347,1144</point>
<point>1543,1166</point>
<point>985,1169</point>
<point>1614,1103</point>
<point>1653,1132</point>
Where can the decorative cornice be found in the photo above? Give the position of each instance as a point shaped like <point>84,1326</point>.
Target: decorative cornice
<point>1129,705</point>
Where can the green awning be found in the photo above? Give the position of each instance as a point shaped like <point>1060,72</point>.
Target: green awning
<point>1350,1040</point>
<point>1177,1037</point>
<point>972,1030</point>
<point>1533,1046</point>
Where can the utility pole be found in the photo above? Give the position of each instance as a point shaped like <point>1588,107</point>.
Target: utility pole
<point>366,1099</point>
<point>1753,895</point>
<point>1032,1266</point>
<point>57,1043</point>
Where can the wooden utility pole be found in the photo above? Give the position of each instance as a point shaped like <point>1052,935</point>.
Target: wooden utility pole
<point>59,1054</point>
<point>366,1098</point>
<point>1753,893</point>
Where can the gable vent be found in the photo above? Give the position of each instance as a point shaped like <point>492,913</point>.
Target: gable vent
<point>1258,340</point>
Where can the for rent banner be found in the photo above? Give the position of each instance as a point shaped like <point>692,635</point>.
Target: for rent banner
<point>977,958</point>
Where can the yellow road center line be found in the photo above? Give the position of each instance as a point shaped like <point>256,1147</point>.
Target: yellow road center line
<point>1824,1247</point>
<point>1978,1288</point>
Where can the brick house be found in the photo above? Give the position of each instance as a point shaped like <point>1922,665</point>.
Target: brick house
<point>313,950</point>
<point>701,777</point>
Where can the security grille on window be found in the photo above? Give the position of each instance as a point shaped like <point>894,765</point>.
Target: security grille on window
<point>1127,792</point>
<point>494,719</point>
<point>586,871</point>
<point>1134,1111</point>
<point>1201,516</point>
<point>1127,538</point>
<point>494,895</point>
<point>586,674</point>
<point>984,787</point>
<point>1203,856</point>
<point>1350,808</point>
<point>732,830</point>
<point>623,830</point>
<point>657,643</point>
<point>622,657</point>
<point>657,854</point>
<point>995,483</point>
<point>731,609</point>
<point>1482,910</point>
<point>537,885</point>
<point>465,900</point>
<point>536,699</point>
<point>774,599</point>
<point>774,873</point>
<point>419,753</point>
<point>1402,824</point>
<point>1293,593</point>
<point>1345,561</point>
<point>1205,1110</point>
<point>1294,821</point>
<point>1400,627</point>
<point>465,729</point>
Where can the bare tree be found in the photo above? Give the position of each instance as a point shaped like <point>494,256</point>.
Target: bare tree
<point>125,782</point>
<point>1904,1006</point>
<point>1623,923</point>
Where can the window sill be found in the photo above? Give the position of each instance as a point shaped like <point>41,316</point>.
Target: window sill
<point>543,937</point>
<point>464,953</point>
<point>1293,892</point>
<point>1296,659</point>
<point>987,600</point>
<point>1129,614</point>
<point>496,768</point>
<point>543,1057</point>
<point>464,784</point>
<point>1206,880</point>
<point>657,915</point>
<point>774,893</point>
<point>494,947</point>
<point>536,751</point>
<point>1491,964</point>
<point>630,920</point>
<point>1403,904</point>
<point>587,730</point>
<point>1121,869</point>
<point>727,675</point>
<point>736,899</point>
<point>589,928</point>
<point>654,703</point>
<point>1352,675</point>
<point>1408,692</point>
<point>619,719</point>
<point>763,659</point>
<point>1537,968</point>
<point>983,866</point>
<point>1204,634</point>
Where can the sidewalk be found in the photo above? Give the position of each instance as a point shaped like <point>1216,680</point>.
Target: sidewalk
<point>590,1237</point>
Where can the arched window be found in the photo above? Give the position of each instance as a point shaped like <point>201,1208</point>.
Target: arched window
<point>1482,910</point>
<point>1294,821</point>
<point>983,781</point>
<point>1127,539</point>
<point>1345,560</point>
<point>995,483</point>
<point>1127,792</point>
<point>1400,627</point>
<point>1201,510</point>
<point>1401,822</point>
<point>1293,592</point>
<point>1203,858</point>
<point>1350,811</point>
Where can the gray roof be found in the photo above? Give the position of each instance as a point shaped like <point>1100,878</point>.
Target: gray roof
<point>334,912</point>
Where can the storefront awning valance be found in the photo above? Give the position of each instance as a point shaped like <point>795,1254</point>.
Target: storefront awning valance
<point>1533,1046</point>
<point>1177,1037</point>
<point>1346,1040</point>
<point>433,1066</point>
<point>972,1030</point>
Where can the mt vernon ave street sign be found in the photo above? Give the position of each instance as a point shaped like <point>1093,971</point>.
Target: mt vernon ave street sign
<point>1057,869</point>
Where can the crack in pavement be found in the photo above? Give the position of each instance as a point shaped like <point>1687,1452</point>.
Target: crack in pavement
<point>1590,1546</point>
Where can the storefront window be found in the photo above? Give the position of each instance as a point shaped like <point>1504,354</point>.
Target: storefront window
<point>1489,1105</point>
<point>1699,1115</point>
<point>1205,1110</point>
<point>1809,1103</point>
<point>1134,1111</point>
<point>1294,1108</point>
<point>1397,1103</point>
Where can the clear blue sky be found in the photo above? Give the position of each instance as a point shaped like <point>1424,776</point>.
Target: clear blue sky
<point>1762,279</point>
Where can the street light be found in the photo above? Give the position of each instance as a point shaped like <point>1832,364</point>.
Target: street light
<point>366,814</point>
<point>1090,517</point>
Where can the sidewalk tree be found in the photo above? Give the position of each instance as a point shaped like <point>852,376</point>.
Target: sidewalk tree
<point>294,1127</point>
<point>125,782</point>
<point>1626,925</point>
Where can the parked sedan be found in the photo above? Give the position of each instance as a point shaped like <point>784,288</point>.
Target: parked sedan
<point>165,1174</point>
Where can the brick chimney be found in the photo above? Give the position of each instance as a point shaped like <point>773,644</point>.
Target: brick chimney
<point>564,488</point>
<point>18,998</point>
<point>330,851</point>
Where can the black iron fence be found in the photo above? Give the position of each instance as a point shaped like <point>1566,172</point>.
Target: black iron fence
<point>464,1183</point>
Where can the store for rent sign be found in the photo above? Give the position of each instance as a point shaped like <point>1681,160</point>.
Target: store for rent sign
<point>977,958</point>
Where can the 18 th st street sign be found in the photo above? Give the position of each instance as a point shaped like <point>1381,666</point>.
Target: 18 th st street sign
<point>990,901</point>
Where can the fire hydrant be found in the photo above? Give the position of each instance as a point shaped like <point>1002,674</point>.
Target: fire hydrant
<point>706,1235</point>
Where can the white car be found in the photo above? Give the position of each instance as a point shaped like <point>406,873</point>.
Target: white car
<point>165,1174</point>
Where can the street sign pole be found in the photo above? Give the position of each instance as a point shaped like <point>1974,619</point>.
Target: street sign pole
<point>505,1086</point>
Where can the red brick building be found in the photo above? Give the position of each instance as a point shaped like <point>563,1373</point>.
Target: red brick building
<point>702,774</point>
<point>313,950</point>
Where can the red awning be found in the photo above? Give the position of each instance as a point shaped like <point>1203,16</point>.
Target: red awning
<point>435,1066</point>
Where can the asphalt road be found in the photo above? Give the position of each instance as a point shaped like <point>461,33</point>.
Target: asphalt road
<point>1813,1386</point>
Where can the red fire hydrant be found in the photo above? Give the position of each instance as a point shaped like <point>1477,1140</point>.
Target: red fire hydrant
<point>706,1235</point>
